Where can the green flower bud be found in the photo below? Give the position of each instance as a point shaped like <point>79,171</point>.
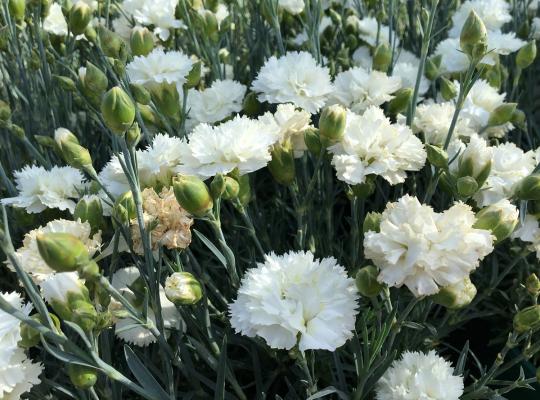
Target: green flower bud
<point>141,41</point>
<point>91,34</point>
<point>63,135</point>
<point>500,218</point>
<point>93,80</point>
<point>437,156</point>
<point>211,26</point>
<point>166,98</point>
<point>456,296</point>
<point>217,186</point>
<point>502,114</point>
<point>181,288</point>
<point>83,314</point>
<point>527,319</point>
<point>401,101</point>
<point>532,283</point>
<point>332,124</point>
<point>193,195</point>
<point>30,337</point>
<point>433,64</point>
<point>5,111</point>
<point>118,110</point>
<point>124,208</point>
<point>382,58</point>
<point>17,9</point>
<point>252,106</point>
<point>79,17</point>
<point>448,89</point>
<point>372,222</point>
<point>133,135</point>
<point>519,119</point>
<point>312,139</point>
<point>65,83</point>
<point>112,44</point>
<point>140,94</point>
<point>232,188</point>
<point>473,37</point>
<point>282,165</point>
<point>244,195</point>
<point>194,76</point>
<point>466,186</point>
<point>62,252</point>
<point>89,271</point>
<point>89,209</point>
<point>528,188</point>
<point>17,131</point>
<point>526,55</point>
<point>364,190</point>
<point>76,156</point>
<point>81,376</point>
<point>366,281</point>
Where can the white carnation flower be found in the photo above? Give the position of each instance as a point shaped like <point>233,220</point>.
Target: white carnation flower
<point>240,143</point>
<point>493,13</point>
<point>215,103</point>
<point>529,232</point>
<point>425,250</point>
<point>453,59</point>
<point>408,73</point>
<point>358,88</point>
<point>160,67</point>
<point>434,119</point>
<point>291,123</point>
<point>10,327</point>
<point>57,287</point>
<point>17,376</point>
<point>372,145</point>
<point>477,154</point>
<point>504,43</point>
<point>294,78</point>
<point>362,57</point>
<point>55,22</point>
<point>40,189</point>
<point>29,257</point>
<point>292,6</point>
<point>420,376</point>
<point>160,14</point>
<point>509,165</point>
<point>294,299</point>
<point>127,328</point>
<point>369,31</point>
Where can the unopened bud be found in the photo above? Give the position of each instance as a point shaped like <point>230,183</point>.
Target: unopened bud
<point>519,119</point>
<point>65,83</point>
<point>181,288</point>
<point>364,190</point>
<point>17,9</point>
<point>437,156</point>
<point>30,337</point>
<point>217,186</point>
<point>244,195</point>
<point>532,283</point>
<point>118,110</point>
<point>194,76</point>
<point>193,195</point>
<point>252,106</point>
<point>312,139</point>
<point>79,17</point>
<point>83,314</point>
<point>527,319</point>
<point>473,37</point>
<point>81,376</point>
<point>528,188</point>
<point>526,55</point>
<point>140,94</point>
<point>281,165</point>
<point>500,218</point>
<point>401,101</point>
<point>231,188</point>
<point>124,208</point>
<point>372,222</point>
<point>502,114</point>
<point>166,98</point>
<point>133,135</point>
<point>366,281</point>
<point>76,155</point>
<point>93,80</point>
<point>448,89</point>
<point>141,41</point>
<point>432,67</point>
<point>382,58</point>
<point>5,111</point>
<point>62,252</point>
<point>112,44</point>
<point>456,296</point>
<point>466,186</point>
<point>89,209</point>
<point>332,123</point>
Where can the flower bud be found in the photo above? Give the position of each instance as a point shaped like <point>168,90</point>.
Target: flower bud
<point>281,165</point>
<point>133,135</point>
<point>312,139</point>
<point>63,135</point>
<point>466,186</point>
<point>141,41</point>
<point>89,209</point>
<point>62,252</point>
<point>527,319</point>
<point>526,55</point>
<point>166,98</point>
<point>448,89</point>
<point>217,186</point>
<point>437,156</point>
<point>91,34</point>
<point>252,106</point>
<point>112,44</point>
<point>194,76</point>
<point>193,195</point>
<point>5,111</point>
<point>93,81</point>
<point>211,26</point>
<point>65,83</point>
<point>76,156</point>
<point>364,190</point>
<point>17,9</point>
<point>244,195</point>
<point>79,17</point>
<point>528,188</point>
<point>456,296</point>
<point>124,208</point>
<point>401,101</point>
<point>332,123</point>
<point>181,288</point>
<point>519,119</point>
<point>84,314</point>
<point>118,110</point>
<point>382,58</point>
<point>30,337</point>
<point>433,64</point>
<point>81,376</point>
<point>372,222</point>
<point>140,94</point>
<point>366,281</point>
<point>532,283</point>
<point>500,218</point>
<point>502,114</point>
<point>232,188</point>
<point>473,37</point>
